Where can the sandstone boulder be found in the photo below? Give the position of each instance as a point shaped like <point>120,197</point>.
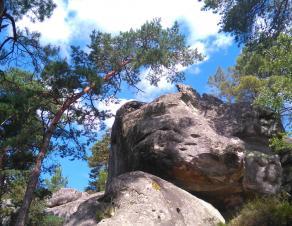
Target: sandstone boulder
<point>86,211</point>
<point>200,144</point>
<point>70,203</point>
<point>63,196</point>
<point>138,199</point>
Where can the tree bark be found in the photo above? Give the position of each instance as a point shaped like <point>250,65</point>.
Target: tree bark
<point>34,175</point>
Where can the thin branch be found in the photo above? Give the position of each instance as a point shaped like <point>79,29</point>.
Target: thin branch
<point>5,41</point>
<point>6,120</point>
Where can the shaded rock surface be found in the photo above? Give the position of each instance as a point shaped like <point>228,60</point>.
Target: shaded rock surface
<point>139,199</point>
<point>199,143</point>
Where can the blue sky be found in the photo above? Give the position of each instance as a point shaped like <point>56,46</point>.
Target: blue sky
<point>73,21</point>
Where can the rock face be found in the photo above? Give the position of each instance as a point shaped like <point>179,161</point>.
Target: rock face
<point>215,150</point>
<point>139,199</point>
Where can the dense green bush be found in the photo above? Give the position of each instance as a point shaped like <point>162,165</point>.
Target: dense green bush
<point>268,211</point>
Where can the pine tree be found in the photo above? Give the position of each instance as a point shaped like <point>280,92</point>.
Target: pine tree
<point>98,162</point>
<point>57,181</point>
<point>20,127</point>
<point>262,77</point>
<point>252,22</point>
<point>16,44</point>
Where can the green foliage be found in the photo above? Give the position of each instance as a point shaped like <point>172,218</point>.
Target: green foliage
<point>281,143</point>
<point>150,47</point>
<point>51,220</point>
<point>57,181</point>
<point>101,180</point>
<point>267,61</point>
<point>98,162</point>
<point>221,85</point>
<point>19,101</point>
<point>263,77</point>
<point>267,211</point>
<point>38,217</point>
<point>221,224</point>
<point>35,9</point>
<point>17,45</point>
<point>36,212</point>
<point>276,94</point>
<point>64,79</point>
<point>100,151</point>
<point>20,131</point>
<point>252,21</point>
<point>21,127</point>
<point>14,196</point>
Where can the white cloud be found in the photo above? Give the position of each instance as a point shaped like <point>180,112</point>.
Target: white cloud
<point>77,18</point>
<point>195,70</point>
<point>223,40</point>
<point>115,15</point>
<point>54,29</point>
<point>149,92</point>
<point>112,106</point>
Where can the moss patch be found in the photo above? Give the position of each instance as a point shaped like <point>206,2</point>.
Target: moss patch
<point>155,186</point>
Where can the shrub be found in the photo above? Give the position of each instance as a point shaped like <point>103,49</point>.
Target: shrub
<point>268,211</point>
<point>51,220</point>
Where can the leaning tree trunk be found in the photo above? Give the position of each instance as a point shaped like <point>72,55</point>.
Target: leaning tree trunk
<point>35,173</point>
<point>34,176</point>
<point>32,184</point>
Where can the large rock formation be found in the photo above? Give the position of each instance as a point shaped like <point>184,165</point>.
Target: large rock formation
<point>215,150</point>
<point>139,199</point>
